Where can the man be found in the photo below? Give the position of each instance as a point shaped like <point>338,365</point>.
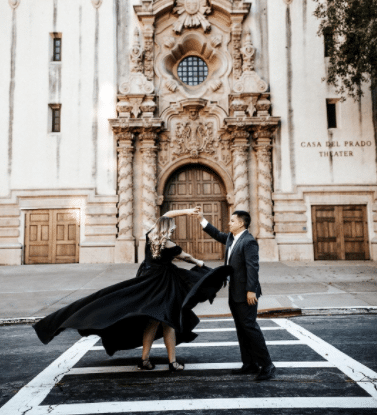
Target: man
<point>244,290</point>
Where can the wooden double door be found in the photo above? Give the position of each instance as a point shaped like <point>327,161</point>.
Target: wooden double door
<point>187,188</point>
<point>340,232</point>
<point>52,236</point>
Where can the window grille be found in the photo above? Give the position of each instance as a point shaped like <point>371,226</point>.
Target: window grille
<point>192,70</point>
<point>56,118</point>
<point>57,49</point>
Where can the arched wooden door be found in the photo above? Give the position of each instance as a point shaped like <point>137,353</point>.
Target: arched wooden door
<point>197,185</point>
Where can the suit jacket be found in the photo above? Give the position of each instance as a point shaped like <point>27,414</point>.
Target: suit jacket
<point>244,259</point>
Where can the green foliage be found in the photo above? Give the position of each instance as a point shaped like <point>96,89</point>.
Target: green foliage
<point>353,48</point>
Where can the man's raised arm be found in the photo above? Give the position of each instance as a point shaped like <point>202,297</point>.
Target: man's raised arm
<point>211,230</point>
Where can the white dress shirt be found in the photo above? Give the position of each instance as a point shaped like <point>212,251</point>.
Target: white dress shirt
<point>204,223</point>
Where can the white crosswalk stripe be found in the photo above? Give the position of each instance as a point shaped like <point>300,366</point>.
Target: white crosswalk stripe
<point>218,344</point>
<point>30,398</point>
<point>195,366</point>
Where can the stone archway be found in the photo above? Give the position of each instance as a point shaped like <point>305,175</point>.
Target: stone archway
<point>192,185</point>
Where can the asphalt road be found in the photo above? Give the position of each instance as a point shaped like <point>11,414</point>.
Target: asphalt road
<point>326,365</point>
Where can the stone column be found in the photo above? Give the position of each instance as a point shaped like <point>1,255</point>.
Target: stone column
<point>149,180</point>
<point>266,237</point>
<point>240,149</point>
<point>125,244</point>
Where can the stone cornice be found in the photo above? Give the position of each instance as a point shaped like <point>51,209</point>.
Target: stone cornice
<point>136,125</point>
<point>156,8</point>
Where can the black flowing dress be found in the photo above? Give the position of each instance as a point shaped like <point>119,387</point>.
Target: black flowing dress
<point>120,313</point>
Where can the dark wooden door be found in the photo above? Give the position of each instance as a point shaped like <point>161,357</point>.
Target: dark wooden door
<point>340,232</point>
<point>52,236</point>
<point>187,188</point>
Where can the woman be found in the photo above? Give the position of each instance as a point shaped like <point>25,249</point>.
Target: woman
<point>157,303</point>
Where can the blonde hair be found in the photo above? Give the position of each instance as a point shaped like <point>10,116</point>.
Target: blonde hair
<point>160,234</point>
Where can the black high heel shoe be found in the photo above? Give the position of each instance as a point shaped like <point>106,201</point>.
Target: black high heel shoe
<point>176,366</point>
<point>145,365</point>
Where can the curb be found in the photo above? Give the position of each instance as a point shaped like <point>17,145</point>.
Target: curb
<point>264,313</point>
<point>320,311</point>
<point>19,320</point>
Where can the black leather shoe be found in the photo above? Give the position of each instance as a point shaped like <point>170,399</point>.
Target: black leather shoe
<point>266,373</point>
<point>251,368</point>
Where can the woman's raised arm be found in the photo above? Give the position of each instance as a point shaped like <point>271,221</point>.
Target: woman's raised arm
<point>181,212</point>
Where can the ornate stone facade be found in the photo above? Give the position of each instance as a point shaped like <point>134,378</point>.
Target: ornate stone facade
<point>176,124</point>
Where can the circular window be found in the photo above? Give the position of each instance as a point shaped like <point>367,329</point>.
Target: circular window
<point>192,70</point>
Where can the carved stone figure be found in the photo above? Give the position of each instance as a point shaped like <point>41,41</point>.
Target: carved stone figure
<point>191,14</point>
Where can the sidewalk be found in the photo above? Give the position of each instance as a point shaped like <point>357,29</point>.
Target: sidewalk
<point>37,290</point>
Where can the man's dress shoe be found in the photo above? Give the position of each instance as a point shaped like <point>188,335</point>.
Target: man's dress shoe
<point>247,369</point>
<point>266,373</point>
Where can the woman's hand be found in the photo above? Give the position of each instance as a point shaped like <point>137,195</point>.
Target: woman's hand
<point>194,211</point>
<point>199,263</point>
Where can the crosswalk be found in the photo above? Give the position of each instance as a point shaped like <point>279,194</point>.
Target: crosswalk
<point>84,381</point>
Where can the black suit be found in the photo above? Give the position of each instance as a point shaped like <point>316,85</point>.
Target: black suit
<point>244,259</point>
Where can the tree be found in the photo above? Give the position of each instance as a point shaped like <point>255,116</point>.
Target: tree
<point>350,31</point>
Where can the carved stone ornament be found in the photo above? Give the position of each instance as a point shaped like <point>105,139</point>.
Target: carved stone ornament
<point>263,105</point>
<point>236,53</point>
<point>191,14</point>
<point>147,5</point>
<point>248,52</point>
<point>14,3</point>
<point>216,41</point>
<point>138,82</point>
<point>148,107</point>
<point>148,52</point>
<point>194,137</point>
<point>169,41</point>
<point>216,84</point>
<point>97,3</point>
<point>171,85</point>
<point>136,54</point>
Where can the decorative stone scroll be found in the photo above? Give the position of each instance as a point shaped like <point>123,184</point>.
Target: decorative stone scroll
<point>191,14</point>
<point>263,149</point>
<point>125,185</point>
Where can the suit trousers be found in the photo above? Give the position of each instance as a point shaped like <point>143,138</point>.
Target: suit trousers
<point>250,337</point>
